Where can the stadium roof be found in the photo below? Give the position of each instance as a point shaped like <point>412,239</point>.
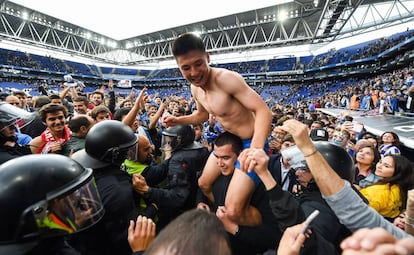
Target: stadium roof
<point>124,19</point>
<point>293,23</point>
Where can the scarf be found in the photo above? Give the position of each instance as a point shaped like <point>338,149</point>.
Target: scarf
<point>49,140</point>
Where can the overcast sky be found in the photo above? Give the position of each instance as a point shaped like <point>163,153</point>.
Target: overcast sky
<point>123,19</point>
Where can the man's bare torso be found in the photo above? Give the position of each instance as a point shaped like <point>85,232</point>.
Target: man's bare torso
<point>231,114</point>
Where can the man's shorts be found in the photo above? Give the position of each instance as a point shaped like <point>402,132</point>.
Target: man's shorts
<point>252,174</point>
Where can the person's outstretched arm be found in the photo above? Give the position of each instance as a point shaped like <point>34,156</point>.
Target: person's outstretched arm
<point>198,116</point>
<point>132,114</point>
<point>154,119</point>
<point>327,179</point>
<point>409,219</point>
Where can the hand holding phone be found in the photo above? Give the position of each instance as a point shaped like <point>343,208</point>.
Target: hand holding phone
<point>357,127</point>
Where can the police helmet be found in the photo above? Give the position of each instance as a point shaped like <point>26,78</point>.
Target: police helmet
<point>11,115</point>
<point>106,143</point>
<point>7,120</point>
<point>177,137</point>
<point>44,196</point>
<point>337,157</point>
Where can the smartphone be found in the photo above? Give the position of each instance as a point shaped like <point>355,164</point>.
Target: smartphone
<point>309,220</point>
<point>357,127</point>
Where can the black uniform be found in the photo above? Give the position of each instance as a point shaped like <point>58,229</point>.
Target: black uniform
<point>326,224</point>
<point>109,235</point>
<point>179,195</point>
<point>274,166</point>
<point>53,246</point>
<point>250,240</point>
<point>7,153</point>
<point>288,212</point>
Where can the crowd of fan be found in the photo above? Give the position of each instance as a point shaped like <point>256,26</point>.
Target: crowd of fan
<point>73,113</point>
<point>124,139</point>
<point>386,93</point>
<point>360,51</point>
<point>368,50</point>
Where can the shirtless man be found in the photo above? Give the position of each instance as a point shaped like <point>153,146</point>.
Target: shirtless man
<point>238,108</point>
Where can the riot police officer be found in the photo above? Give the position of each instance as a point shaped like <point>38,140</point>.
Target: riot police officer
<point>43,199</point>
<point>185,165</point>
<point>106,147</point>
<point>10,116</point>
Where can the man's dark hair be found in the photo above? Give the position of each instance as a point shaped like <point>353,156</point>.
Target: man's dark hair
<point>19,92</point>
<point>98,109</point>
<point>367,135</point>
<point>121,112</point>
<point>124,102</point>
<point>99,93</point>
<point>288,138</point>
<point>51,108</point>
<point>348,118</point>
<point>77,122</point>
<point>41,101</point>
<point>193,232</point>
<point>229,138</point>
<point>186,43</point>
<point>54,96</point>
<point>81,99</point>
<point>319,122</point>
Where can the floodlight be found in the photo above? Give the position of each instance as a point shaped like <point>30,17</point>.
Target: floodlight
<point>282,15</point>
<point>25,15</point>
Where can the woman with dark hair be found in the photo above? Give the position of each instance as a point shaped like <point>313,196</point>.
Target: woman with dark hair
<point>366,159</point>
<point>388,196</point>
<point>389,144</point>
<point>370,137</point>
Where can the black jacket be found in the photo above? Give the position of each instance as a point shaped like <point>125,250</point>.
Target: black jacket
<point>288,212</point>
<point>250,240</point>
<point>275,169</point>
<point>411,106</point>
<point>109,235</point>
<point>53,246</point>
<point>179,195</point>
<point>326,224</point>
<point>7,153</point>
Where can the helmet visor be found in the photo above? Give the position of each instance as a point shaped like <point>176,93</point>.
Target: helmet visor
<point>168,143</point>
<point>133,153</point>
<point>69,213</point>
<point>10,114</point>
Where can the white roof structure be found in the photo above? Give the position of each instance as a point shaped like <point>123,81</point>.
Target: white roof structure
<point>127,18</point>
<point>267,29</point>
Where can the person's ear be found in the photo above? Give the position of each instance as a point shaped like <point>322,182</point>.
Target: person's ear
<point>83,129</point>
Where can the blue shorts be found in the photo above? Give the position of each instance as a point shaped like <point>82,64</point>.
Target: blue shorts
<point>252,174</point>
